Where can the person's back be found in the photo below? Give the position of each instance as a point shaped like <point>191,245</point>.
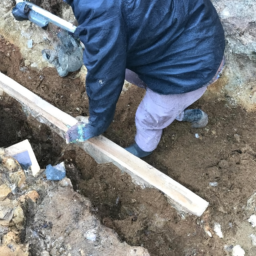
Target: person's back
<point>180,40</point>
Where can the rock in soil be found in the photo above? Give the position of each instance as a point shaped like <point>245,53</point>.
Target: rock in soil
<point>52,219</point>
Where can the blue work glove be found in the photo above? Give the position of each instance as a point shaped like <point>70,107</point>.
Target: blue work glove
<point>80,133</point>
<point>67,55</point>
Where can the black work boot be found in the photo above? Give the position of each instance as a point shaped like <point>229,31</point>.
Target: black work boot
<point>137,151</point>
<point>196,117</point>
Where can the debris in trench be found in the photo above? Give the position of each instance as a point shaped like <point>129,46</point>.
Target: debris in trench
<point>217,230</point>
<point>30,43</point>
<point>228,248</point>
<point>251,203</point>
<point>56,172</point>
<point>23,159</point>
<point>213,184</point>
<point>252,220</point>
<point>4,191</point>
<point>67,55</point>
<point>48,218</point>
<point>91,235</point>
<point>24,154</point>
<point>238,251</point>
<point>12,217</point>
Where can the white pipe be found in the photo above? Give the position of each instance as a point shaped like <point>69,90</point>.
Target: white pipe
<point>52,18</point>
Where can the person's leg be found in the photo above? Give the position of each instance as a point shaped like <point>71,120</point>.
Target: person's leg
<point>156,112</point>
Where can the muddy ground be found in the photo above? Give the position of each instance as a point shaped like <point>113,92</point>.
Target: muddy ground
<point>223,153</point>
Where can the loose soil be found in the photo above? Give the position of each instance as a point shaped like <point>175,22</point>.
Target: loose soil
<point>223,153</point>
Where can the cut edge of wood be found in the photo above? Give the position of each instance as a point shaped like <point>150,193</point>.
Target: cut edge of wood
<point>105,151</point>
<point>21,147</point>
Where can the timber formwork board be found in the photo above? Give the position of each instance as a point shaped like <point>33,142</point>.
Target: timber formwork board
<point>105,151</point>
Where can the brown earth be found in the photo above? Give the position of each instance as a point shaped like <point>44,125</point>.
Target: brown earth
<point>49,5</point>
<point>223,153</point>
<point>42,218</point>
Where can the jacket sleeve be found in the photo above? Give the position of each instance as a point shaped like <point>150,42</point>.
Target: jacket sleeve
<point>102,32</point>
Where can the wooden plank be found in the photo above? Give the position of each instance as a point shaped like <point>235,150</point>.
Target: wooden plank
<point>105,151</point>
<point>21,147</point>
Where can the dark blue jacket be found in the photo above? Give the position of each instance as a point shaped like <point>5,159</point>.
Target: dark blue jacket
<point>175,46</point>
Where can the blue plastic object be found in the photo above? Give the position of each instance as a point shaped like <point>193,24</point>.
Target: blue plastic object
<point>55,173</point>
<point>23,159</point>
<point>22,12</point>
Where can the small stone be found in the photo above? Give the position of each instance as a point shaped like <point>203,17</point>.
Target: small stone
<point>11,164</point>
<point>238,251</point>
<point>68,247</point>
<point>53,251</point>
<point>213,132</point>
<point>10,237</point>
<point>2,151</point>
<point>18,217</point>
<point>33,65</point>
<point>18,178</point>
<point>91,235</point>
<point>252,220</point>
<point>30,43</point>
<point>208,232</point>
<point>3,230</point>
<point>237,137</point>
<point>27,63</point>
<point>253,238</point>
<point>5,250</point>
<point>213,184</point>
<point>217,230</point>
<point>66,182</point>
<point>228,248</point>
<point>33,195</point>
<point>61,250</point>
<point>251,203</point>
<point>82,252</point>
<point>6,209</point>
<point>45,253</point>
<point>4,191</point>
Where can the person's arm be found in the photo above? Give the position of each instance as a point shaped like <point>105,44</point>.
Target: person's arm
<point>102,32</point>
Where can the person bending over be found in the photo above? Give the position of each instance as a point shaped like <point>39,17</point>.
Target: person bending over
<point>172,48</point>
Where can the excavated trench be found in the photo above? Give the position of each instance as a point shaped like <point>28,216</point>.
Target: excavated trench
<point>224,153</point>
<point>138,216</point>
